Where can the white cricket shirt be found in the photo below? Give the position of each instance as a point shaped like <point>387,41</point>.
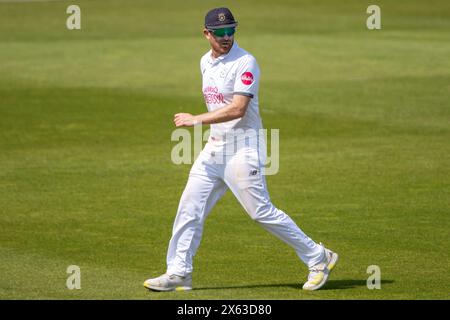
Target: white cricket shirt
<point>236,72</point>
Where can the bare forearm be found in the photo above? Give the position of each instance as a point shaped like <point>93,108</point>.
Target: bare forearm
<point>227,113</point>
<point>236,109</point>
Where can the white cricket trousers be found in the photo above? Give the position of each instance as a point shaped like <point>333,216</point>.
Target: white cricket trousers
<point>209,178</point>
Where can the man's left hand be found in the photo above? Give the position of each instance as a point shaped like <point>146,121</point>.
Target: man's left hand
<point>185,120</point>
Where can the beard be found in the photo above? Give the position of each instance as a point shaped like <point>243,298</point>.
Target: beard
<point>225,45</point>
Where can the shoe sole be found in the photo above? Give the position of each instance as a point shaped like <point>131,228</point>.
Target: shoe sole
<point>330,266</point>
<point>161,289</point>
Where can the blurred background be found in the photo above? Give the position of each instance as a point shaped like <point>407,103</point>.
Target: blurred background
<point>86,118</point>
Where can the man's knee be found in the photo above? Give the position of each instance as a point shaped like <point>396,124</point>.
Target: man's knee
<point>264,212</point>
<point>189,210</point>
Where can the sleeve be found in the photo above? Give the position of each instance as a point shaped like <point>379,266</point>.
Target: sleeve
<point>247,78</point>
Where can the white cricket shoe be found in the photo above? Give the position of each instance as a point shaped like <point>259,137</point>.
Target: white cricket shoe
<point>169,282</point>
<point>318,274</point>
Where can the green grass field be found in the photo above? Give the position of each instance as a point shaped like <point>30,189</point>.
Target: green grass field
<point>86,118</point>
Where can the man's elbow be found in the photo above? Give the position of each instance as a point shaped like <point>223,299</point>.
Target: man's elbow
<point>240,105</point>
<point>239,111</point>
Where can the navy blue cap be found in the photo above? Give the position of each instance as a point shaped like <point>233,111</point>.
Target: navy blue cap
<point>219,18</point>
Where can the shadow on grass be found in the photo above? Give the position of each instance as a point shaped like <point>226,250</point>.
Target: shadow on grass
<point>349,284</point>
<point>331,285</point>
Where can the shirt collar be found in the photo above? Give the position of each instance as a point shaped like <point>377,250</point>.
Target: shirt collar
<point>224,56</point>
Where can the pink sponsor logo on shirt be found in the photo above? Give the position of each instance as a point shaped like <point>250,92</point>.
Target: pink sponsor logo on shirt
<point>213,96</point>
<point>247,78</point>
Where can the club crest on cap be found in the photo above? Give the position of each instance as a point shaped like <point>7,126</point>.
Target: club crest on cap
<point>219,18</point>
